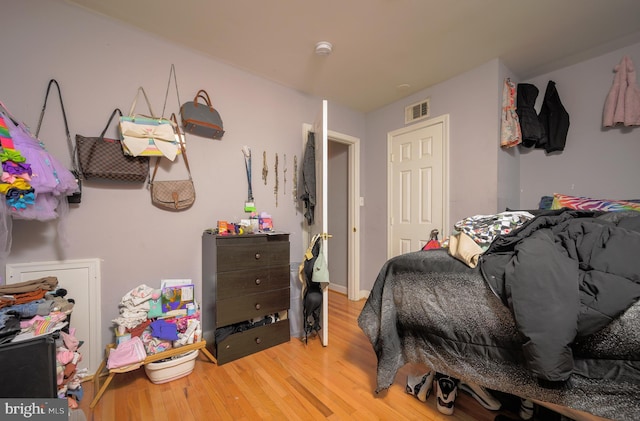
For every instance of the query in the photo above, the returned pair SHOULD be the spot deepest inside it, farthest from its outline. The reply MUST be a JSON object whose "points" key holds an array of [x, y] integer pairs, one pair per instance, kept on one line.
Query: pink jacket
{"points": [[622, 105]]}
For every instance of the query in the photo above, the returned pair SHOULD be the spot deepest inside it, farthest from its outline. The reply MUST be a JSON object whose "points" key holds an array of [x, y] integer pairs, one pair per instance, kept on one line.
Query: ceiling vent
{"points": [[417, 111]]}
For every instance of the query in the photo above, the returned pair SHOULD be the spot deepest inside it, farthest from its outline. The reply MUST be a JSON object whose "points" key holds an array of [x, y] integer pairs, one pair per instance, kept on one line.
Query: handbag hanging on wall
{"points": [[174, 195], [148, 135], [201, 119], [75, 197], [103, 158]]}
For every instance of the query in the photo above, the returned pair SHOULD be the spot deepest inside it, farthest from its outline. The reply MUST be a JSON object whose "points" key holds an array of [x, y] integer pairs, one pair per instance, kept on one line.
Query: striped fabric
{"points": [[585, 203]]}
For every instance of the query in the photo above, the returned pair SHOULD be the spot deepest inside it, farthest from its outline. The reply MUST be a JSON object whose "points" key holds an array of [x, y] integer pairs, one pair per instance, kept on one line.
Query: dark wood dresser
{"points": [[244, 279]]}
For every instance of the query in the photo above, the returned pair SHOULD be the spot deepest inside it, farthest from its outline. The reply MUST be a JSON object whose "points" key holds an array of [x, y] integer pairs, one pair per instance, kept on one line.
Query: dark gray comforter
{"points": [[565, 275], [427, 307]]}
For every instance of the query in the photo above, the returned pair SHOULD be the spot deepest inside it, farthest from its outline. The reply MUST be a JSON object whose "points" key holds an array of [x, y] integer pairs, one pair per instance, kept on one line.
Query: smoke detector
{"points": [[324, 48]]}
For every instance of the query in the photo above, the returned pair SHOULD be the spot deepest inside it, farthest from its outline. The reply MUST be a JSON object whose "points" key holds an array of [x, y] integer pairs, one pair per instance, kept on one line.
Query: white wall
{"points": [[597, 162], [472, 101], [99, 64]]}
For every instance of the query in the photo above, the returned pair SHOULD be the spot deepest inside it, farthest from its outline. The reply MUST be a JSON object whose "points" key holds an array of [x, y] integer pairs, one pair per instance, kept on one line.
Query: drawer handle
{"points": [[258, 306], [258, 281], [258, 341], [258, 256]]}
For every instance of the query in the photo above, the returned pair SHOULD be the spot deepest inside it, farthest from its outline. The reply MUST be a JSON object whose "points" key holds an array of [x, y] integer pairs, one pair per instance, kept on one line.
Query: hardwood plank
{"points": [[167, 401], [256, 391], [216, 407], [292, 381]]}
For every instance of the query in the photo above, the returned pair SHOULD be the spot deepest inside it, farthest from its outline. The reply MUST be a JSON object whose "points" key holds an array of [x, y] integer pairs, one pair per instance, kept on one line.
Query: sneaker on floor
{"points": [[526, 409], [420, 386], [446, 392], [481, 394]]}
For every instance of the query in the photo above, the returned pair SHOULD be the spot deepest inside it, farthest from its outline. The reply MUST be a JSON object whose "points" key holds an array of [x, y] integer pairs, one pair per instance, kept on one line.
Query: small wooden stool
{"points": [[99, 390]]}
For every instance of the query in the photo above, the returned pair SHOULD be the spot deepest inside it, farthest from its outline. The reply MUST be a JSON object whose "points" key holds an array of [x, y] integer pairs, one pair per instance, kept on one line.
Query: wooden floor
{"points": [[292, 381]]}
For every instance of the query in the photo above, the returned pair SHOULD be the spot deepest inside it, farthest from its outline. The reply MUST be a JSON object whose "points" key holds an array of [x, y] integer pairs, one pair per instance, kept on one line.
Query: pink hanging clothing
{"points": [[631, 97], [511, 134], [622, 105], [51, 181]]}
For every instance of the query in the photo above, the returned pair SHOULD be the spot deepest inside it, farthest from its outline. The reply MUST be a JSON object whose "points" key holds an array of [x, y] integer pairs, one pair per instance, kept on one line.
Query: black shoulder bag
{"points": [[77, 196]]}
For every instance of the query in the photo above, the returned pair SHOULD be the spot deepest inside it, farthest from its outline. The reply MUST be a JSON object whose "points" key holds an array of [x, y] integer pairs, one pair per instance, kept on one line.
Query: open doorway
{"points": [[322, 224], [344, 210], [347, 257], [338, 195]]}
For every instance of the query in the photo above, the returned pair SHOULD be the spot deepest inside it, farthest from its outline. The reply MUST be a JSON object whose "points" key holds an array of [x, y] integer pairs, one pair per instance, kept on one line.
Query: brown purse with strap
{"points": [[173, 195]]}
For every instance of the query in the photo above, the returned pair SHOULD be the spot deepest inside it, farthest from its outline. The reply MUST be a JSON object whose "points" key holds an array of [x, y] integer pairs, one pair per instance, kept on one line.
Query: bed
{"points": [[430, 308]]}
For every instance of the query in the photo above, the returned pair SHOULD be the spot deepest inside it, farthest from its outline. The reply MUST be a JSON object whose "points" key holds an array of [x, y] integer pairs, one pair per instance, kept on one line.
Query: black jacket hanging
{"points": [[554, 119], [308, 196], [530, 126]]}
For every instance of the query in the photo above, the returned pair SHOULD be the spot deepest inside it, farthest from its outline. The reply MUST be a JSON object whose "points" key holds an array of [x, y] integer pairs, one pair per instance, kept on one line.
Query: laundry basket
{"points": [[172, 368]]}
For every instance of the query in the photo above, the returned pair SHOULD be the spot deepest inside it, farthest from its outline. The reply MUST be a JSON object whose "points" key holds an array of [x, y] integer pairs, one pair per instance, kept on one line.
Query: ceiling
{"points": [[383, 50]]}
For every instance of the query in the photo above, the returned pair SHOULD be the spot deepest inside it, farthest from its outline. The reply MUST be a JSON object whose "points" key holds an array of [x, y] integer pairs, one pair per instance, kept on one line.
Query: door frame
{"points": [[353, 241], [444, 120]]}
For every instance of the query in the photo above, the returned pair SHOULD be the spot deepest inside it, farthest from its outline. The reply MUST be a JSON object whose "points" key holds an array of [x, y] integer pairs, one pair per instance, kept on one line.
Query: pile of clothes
{"points": [[69, 377], [143, 329], [474, 234], [38, 307], [32, 308]]}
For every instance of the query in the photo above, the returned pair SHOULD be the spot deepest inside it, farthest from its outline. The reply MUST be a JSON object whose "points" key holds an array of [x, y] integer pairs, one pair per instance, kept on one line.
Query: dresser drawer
{"points": [[239, 309], [253, 340], [251, 254], [242, 256], [252, 281]]}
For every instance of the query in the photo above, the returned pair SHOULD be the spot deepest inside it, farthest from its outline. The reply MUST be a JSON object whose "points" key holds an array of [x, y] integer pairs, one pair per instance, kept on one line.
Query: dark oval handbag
{"points": [[201, 119]]}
